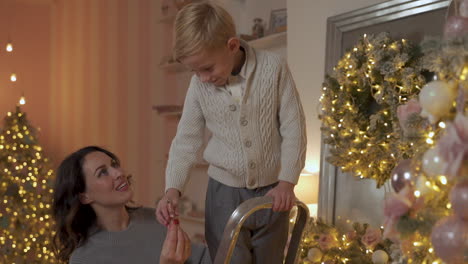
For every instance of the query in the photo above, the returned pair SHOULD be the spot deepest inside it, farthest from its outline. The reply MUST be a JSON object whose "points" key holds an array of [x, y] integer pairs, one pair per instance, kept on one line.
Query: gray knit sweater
{"points": [[254, 143], [140, 243]]}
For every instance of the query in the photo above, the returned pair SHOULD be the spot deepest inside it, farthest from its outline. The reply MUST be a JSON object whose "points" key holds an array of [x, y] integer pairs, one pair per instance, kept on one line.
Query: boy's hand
{"points": [[176, 248], [283, 196], [167, 208]]}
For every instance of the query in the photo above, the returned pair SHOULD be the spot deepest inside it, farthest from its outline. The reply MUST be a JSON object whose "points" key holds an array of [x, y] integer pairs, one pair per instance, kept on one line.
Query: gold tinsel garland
{"points": [[359, 103]]}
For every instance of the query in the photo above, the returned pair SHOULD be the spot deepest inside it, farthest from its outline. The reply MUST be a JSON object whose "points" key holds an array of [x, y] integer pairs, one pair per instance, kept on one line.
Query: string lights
{"points": [[26, 191]]}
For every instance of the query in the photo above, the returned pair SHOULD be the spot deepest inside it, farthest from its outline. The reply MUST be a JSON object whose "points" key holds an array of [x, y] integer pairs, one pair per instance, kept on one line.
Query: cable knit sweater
{"points": [[140, 243], [254, 143]]}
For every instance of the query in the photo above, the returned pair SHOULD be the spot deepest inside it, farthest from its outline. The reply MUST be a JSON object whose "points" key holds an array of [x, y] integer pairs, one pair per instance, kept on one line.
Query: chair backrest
{"points": [[244, 210]]}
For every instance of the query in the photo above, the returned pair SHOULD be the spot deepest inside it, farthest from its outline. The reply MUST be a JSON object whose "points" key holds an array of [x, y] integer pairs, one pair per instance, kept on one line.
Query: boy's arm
{"points": [[187, 142], [294, 141], [292, 128]]}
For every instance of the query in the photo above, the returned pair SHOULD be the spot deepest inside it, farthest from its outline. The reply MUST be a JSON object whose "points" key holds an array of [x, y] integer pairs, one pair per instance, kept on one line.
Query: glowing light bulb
{"points": [[443, 180], [13, 77], [22, 100], [9, 47]]}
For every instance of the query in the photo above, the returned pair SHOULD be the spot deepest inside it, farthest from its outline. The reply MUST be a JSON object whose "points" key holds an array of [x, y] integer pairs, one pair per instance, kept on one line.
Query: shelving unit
{"points": [[270, 41], [168, 110]]}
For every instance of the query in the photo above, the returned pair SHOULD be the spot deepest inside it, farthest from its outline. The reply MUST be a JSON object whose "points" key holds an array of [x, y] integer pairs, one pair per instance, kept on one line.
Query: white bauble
{"points": [[436, 99], [432, 163], [421, 186], [314, 255], [380, 257]]}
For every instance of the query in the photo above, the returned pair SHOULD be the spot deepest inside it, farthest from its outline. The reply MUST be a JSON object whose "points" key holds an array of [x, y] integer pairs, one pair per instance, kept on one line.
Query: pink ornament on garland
{"points": [[450, 239], [463, 8], [459, 200], [402, 174], [456, 26]]}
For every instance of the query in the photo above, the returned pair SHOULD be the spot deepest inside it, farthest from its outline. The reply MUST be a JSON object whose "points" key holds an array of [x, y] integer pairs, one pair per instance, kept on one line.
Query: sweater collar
{"points": [[250, 60]]}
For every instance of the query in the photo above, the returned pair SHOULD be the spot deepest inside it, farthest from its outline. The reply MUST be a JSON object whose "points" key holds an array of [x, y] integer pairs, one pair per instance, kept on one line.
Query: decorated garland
{"points": [[359, 106], [364, 244]]}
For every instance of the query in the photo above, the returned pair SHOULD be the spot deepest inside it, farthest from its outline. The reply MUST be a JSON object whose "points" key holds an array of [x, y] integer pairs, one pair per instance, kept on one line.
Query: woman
{"points": [[96, 225]]}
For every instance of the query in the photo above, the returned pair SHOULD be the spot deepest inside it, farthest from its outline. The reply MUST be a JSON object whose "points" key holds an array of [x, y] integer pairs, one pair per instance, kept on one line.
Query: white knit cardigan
{"points": [[254, 143]]}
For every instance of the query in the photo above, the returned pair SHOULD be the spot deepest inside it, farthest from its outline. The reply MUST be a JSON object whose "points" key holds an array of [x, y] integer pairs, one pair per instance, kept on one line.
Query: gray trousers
{"points": [[264, 234]]}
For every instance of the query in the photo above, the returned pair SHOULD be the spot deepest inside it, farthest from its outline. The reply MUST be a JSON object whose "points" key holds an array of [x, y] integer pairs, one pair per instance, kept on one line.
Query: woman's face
{"points": [[106, 183]]}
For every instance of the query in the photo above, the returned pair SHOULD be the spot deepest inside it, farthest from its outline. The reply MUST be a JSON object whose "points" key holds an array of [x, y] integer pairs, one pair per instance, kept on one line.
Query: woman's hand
{"points": [[167, 208], [283, 196], [176, 248]]}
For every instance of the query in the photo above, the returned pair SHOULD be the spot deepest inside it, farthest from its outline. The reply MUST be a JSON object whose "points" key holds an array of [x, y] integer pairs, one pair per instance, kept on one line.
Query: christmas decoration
{"points": [[359, 106], [324, 243], [459, 200], [401, 175], [25, 188], [426, 217]]}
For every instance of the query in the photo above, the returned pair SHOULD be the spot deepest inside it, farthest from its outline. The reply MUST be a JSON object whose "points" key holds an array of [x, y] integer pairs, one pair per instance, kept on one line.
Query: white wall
{"points": [[244, 11], [306, 57]]}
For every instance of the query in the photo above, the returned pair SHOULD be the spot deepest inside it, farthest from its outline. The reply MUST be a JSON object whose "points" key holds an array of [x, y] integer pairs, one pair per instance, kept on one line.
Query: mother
{"points": [[95, 223]]}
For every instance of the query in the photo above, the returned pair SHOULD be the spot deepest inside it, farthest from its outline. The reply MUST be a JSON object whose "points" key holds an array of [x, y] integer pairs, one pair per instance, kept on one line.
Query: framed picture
{"points": [[343, 198], [278, 20]]}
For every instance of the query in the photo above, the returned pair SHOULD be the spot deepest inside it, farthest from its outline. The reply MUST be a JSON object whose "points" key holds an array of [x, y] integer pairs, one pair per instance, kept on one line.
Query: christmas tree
{"points": [[25, 188]]}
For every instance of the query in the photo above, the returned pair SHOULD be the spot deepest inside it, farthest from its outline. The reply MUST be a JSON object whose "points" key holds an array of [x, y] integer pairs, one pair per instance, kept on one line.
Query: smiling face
{"points": [[215, 66], [106, 183]]}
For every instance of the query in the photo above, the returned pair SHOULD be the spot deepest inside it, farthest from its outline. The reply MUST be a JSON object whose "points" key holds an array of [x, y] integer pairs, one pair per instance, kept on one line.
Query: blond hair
{"points": [[201, 26]]}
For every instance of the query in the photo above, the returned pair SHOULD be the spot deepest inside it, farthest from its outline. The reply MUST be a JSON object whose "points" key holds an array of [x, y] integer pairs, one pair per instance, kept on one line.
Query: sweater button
{"points": [[244, 122], [232, 108], [252, 165], [251, 182], [248, 143]]}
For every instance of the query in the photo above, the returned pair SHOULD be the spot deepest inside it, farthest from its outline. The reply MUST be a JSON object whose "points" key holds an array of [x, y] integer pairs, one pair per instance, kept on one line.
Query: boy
{"points": [[248, 100]]}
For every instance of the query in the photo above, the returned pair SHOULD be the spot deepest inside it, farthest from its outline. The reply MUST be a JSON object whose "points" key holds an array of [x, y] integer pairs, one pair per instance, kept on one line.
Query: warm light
{"points": [[307, 188], [442, 125], [417, 193], [443, 180], [13, 77], [22, 100], [9, 47]]}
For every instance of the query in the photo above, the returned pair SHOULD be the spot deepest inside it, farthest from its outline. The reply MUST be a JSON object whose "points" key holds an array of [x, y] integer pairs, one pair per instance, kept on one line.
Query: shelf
{"points": [[168, 110], [270, 41]]}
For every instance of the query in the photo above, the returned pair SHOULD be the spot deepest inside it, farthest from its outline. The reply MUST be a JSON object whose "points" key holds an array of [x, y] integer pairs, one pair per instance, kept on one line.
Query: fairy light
{"points": [[13, 77], [443, 179], [30, 206], [9, 47], [442, 125]]}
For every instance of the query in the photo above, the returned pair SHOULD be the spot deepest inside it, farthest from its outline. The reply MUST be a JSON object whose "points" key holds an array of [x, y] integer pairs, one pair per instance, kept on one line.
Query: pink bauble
{"points": [[402, 174], [463, 8], [450, 239], [459, 200], [456, 26]]}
